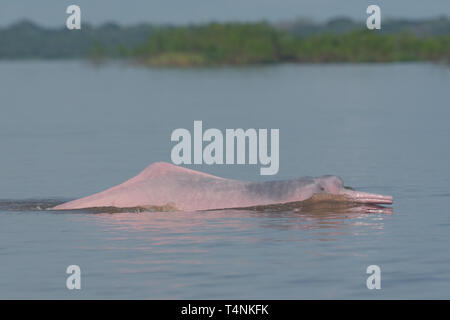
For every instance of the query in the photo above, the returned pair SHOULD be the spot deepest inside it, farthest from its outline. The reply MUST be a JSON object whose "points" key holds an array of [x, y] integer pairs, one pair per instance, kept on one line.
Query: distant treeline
{"points": [[236, 44], [339, 40], [25, 40], [425, 27]]}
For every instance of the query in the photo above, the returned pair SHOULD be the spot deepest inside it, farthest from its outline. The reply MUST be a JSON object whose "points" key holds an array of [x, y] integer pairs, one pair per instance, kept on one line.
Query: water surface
{"points": [[69, 129]]}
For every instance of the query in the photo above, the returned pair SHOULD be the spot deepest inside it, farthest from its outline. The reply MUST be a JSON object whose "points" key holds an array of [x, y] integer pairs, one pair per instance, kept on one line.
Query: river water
{"points": [[69, 129]]}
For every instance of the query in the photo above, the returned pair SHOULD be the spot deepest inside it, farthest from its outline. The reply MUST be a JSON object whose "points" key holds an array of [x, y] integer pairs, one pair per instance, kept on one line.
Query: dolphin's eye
{"points": [[322, 188]]}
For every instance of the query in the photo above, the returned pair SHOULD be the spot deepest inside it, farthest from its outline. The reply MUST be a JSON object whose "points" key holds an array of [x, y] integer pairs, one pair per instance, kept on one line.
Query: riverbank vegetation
{"points": [[241, 44], [339, 40]]}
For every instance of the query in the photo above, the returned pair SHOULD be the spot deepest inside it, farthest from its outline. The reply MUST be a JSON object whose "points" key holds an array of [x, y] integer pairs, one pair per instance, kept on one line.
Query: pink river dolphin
{"points": [[164, 186]]}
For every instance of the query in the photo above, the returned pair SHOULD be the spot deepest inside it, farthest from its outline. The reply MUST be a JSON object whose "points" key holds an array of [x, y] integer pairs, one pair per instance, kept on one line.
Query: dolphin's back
{"points": [[161, 184]]}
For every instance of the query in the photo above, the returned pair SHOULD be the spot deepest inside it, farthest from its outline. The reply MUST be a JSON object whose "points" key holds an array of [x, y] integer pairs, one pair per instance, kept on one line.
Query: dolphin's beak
{"points": [[368, 198]]}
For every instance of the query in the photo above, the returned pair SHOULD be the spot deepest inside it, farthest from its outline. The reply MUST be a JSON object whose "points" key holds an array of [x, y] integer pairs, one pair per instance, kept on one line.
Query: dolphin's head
{"points": [[330, 184], [333, 185]]}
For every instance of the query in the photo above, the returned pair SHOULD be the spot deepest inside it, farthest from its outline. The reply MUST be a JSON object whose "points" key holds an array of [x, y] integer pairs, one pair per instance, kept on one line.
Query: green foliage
{"points": [[216, 44]]}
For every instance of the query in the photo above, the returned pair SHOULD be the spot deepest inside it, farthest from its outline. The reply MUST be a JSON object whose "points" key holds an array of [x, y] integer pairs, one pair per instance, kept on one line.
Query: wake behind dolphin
{"points": [[170, 187]]}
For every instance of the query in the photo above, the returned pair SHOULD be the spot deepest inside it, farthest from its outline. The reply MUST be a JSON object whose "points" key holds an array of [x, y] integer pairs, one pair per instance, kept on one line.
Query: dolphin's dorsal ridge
{"points": [[157, 169], [161, 168]]}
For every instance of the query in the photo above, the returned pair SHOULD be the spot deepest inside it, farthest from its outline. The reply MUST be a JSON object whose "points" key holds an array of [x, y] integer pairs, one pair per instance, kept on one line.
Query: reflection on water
{"points": [[209, 225], [327, 222], [181, 250]]}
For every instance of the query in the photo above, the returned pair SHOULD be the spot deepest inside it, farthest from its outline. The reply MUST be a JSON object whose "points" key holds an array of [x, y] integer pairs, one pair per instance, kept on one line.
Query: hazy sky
{"points": [[52, 12]]}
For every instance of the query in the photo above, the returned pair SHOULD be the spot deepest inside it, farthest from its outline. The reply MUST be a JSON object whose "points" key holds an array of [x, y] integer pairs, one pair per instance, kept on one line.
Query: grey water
{"points": [[69, 129]]}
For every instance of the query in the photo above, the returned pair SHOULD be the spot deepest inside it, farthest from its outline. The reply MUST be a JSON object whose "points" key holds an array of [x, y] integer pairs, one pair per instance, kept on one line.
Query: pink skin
{"points": [[367, 198], [162, 183]]}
